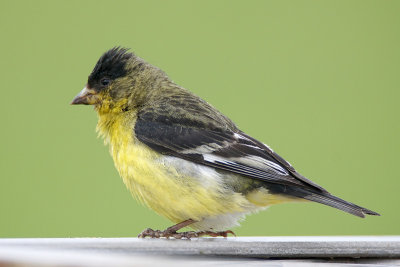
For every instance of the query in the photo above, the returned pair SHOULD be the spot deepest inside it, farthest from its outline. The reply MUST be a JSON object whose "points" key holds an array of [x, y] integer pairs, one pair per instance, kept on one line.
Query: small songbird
{"points": [[182, 157]]}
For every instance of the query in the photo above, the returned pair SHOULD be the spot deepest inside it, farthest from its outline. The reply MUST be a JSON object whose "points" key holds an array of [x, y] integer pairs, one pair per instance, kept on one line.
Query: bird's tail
{"points": [[323, 197], [338, 203]]}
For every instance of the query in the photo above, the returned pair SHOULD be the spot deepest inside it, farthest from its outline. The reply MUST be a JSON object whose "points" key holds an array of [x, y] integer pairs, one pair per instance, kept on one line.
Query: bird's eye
{"points": [[105, 81]]}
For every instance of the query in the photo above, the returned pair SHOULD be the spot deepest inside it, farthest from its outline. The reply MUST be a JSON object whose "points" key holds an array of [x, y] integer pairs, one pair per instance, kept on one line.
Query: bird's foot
{"points": [[172, 232], [183, 235], [215, 234]]}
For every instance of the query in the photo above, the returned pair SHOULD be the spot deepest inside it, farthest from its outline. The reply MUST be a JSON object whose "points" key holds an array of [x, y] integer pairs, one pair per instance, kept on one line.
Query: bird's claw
{"points": [[216, 234], [183, 235]]}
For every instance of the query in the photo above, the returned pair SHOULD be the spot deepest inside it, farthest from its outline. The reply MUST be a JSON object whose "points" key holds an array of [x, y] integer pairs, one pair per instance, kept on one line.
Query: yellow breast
{"points": [[164, 188]]}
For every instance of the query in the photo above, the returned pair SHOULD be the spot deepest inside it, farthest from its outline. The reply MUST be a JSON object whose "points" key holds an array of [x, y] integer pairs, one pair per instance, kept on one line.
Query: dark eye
{"points": [[105, 81]]}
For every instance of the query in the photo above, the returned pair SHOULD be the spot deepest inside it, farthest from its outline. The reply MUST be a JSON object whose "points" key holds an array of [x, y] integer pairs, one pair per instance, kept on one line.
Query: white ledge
{"points": [[127, 251]]}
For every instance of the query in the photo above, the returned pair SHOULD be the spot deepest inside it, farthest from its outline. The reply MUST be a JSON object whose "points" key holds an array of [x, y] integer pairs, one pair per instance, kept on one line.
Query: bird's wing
{"points": [[222, 149]]}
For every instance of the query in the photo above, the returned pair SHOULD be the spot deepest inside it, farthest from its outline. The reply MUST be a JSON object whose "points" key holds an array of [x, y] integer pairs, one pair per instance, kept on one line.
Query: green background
{"points": [[316, 80]]}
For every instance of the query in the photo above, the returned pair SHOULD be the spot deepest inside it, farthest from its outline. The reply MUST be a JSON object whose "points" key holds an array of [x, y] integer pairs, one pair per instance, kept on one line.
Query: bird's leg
{"points": [[172, 232]]}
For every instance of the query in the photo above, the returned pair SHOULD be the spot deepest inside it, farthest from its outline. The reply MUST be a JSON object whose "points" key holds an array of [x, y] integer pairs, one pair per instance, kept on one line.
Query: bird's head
{"points": [[113, 84]]}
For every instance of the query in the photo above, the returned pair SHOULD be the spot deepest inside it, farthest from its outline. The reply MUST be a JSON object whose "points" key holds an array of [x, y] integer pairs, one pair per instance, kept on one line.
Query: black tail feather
{"points": [[335, 202], [322, 197]]}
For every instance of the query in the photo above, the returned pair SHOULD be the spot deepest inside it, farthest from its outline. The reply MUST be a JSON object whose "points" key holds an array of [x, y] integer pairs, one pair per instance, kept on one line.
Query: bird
{"points": [[183, 158]]}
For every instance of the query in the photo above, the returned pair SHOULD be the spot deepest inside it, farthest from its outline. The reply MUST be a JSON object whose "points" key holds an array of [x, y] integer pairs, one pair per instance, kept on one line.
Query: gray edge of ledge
{"points": [[260, 247]]}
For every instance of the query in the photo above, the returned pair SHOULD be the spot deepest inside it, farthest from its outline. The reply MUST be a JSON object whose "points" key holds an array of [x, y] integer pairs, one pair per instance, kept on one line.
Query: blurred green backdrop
{"points": [[316, 80]]}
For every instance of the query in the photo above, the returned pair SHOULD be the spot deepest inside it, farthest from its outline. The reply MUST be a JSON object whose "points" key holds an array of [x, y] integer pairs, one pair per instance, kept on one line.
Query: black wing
{"points": [[225, 150]]}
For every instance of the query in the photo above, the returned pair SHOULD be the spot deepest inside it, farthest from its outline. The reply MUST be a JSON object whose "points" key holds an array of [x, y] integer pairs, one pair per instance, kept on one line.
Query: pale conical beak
{"points": [[86, 97]]}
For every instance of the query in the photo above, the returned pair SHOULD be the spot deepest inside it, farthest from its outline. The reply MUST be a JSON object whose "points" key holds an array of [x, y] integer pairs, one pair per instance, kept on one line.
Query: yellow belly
{"points": [[170, 193]]}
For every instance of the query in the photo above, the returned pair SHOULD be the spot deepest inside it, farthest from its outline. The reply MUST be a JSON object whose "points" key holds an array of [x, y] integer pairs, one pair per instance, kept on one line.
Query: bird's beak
{"points": [[86, 97]]}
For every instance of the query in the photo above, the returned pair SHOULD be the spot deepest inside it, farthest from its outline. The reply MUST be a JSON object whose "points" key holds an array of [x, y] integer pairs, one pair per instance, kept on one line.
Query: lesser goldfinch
{"points": [[182, 157]]}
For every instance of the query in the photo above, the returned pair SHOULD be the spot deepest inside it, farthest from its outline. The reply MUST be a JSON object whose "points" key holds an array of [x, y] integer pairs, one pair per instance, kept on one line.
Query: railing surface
{"points": [[253, 251]]}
